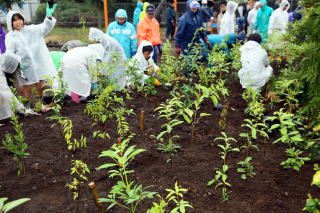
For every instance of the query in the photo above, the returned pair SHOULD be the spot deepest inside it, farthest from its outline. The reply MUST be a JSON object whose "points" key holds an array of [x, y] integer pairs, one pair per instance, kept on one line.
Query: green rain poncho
{"points": [[262, 20]]}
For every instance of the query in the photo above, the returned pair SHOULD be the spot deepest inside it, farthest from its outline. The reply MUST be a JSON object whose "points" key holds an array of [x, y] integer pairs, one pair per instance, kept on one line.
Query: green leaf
{"points": [[105, 166], [7, 207]]}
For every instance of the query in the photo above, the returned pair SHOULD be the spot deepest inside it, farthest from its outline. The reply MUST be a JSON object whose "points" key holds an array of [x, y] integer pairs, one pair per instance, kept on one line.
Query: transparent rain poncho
{"points": [[255, 71], [8, 63], [228, 22], [141, 64], [279, 19], [78, 65], [114, 55], [29, 44]]}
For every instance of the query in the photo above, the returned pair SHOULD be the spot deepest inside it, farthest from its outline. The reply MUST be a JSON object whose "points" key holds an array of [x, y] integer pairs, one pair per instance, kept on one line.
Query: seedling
{"points": [[295, 161], [246, 169], [175, 195], [16, 143], [255, 103], [170, 113], [221, 177], [192, 115], [125, 193], [80, 170]]}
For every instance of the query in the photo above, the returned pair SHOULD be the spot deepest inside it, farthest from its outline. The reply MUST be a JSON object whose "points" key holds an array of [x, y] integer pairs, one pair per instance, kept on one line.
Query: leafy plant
{"points": [[246, 169], [80, 169], [175, 195], [255, 103], [16, 143], [287, 125], [4, 208], [123, 126], [191, 114], [221, 177], [67, 126], [313, 204], [125, 193], [295, 161], [169, 112]]}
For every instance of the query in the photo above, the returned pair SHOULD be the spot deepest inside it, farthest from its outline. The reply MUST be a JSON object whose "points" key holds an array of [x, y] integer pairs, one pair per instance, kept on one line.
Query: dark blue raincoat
{"points": [[188, 25]]}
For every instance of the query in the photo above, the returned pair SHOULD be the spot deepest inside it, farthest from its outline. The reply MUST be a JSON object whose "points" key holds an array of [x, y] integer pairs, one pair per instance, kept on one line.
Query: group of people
{"points": [[137, 46]]}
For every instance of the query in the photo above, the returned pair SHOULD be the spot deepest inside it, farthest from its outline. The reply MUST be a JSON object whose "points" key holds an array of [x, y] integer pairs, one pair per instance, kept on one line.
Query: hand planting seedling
{"points": [[220, 178], [125, 193]]}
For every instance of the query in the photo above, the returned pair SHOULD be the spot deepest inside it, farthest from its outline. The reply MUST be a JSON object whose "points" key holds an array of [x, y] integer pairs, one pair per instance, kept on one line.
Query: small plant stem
{"points": [[119, 141], [79, 193], [155, 102], [95, 195], [142, 120]]}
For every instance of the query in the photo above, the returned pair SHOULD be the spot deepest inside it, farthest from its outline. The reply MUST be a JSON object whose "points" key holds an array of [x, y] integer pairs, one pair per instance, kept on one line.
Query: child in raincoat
{"points": [[9, 64], [262, 21], [255, 70], [279, 19], [78, 65], [228, 22], [252, 15], [149, 29], [143, 62], [124, 32], [136, 14], [28, 43]]}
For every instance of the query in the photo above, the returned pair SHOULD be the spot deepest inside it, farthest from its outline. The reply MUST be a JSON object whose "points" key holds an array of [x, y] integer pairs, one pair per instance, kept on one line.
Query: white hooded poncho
{"points": [[279, 19], [31, 47], [252, 18], [8, 63], [228, 22], [141, 64], [77, 66], [255, 71], [114, 55]]}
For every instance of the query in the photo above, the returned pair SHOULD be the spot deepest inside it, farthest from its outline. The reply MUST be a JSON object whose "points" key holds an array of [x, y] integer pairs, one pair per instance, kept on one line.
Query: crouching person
{"points": [[255, 70], [77, 66], [143, 64], [9, 63]]}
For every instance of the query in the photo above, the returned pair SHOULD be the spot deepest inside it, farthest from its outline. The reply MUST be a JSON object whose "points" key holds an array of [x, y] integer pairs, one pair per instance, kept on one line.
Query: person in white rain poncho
{"points": [[228, 22], [28, 43], [114, 55], [9, 64], [252, 17], [78, 66], [279, 19], [142, 62], [255, 70]]}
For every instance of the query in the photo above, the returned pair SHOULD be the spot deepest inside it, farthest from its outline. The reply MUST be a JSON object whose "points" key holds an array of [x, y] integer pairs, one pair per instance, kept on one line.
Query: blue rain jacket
{"points": [[188, 25], [262, 20], [125, 34], [136, 14], [215, 39]]}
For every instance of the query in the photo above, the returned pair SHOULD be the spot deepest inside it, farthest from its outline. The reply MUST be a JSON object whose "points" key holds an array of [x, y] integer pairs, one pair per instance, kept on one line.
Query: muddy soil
{"points": [[273, 189]]}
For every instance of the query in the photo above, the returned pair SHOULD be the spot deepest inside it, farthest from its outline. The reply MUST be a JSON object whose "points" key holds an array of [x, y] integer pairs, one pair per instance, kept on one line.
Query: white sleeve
{"points": [[10, 45], [44, 28], [272, 23]]}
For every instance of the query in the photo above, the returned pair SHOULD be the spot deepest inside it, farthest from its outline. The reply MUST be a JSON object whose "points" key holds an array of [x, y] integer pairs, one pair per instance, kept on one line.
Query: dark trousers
{"points": [[170, 30]]}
